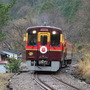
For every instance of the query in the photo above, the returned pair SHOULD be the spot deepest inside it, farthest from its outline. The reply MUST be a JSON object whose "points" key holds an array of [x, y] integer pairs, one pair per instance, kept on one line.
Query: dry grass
{"points": [[84, 65], [84, 68], [4, 80]]}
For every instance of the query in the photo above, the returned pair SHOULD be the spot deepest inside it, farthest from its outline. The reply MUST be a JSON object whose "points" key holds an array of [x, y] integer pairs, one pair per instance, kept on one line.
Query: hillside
{"points": [[71, 15]]}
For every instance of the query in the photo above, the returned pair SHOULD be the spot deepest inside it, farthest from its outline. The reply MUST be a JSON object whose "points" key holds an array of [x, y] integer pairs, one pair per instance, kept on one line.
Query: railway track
{"points": [[65, 82], [30, 81], [44, 85]]}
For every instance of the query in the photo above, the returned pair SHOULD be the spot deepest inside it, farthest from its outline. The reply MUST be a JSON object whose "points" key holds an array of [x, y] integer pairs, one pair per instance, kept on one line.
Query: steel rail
{"points": [[41, 83], [65, 82]]}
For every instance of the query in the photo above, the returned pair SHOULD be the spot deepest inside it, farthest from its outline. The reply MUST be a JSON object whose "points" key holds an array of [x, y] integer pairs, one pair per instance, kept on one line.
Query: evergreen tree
{"points": [[4, 16]]}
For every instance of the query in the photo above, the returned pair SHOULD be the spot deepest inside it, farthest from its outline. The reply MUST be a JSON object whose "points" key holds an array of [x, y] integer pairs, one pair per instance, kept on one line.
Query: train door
{"points": [[43, 45]]}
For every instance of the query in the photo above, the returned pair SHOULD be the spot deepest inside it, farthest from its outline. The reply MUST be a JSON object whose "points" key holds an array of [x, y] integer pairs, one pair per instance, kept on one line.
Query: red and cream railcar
{"points": [[46, 49]]}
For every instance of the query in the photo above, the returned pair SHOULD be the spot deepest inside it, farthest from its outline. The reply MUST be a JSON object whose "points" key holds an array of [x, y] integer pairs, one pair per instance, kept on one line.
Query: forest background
{"points": [[73, 16]]}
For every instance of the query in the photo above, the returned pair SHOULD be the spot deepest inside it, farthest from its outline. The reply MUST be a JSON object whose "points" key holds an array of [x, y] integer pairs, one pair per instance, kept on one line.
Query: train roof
{"points": [[50, 27]]}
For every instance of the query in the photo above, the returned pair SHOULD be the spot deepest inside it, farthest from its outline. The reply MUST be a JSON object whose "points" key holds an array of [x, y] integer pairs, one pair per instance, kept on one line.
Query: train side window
{"points": [[32, 39], [43, 40], [55, 40]]}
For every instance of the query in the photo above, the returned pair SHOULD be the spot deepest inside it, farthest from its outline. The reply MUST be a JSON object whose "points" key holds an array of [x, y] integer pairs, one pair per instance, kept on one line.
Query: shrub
{"points": [[13, 65], [84, 68], [84, 64]]}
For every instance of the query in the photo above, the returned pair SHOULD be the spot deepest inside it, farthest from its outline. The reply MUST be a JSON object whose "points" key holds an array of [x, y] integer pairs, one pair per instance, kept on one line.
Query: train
{"points": [[47, 49]]}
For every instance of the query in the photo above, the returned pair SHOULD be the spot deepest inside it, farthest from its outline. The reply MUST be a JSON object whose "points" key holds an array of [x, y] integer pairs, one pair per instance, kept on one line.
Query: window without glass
{"points": [[43, 40], [55, 40], [32, 39]]}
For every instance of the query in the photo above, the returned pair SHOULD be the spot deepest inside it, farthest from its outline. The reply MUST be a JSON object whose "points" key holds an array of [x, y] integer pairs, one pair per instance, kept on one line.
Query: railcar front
{"points": [[44, 48]]}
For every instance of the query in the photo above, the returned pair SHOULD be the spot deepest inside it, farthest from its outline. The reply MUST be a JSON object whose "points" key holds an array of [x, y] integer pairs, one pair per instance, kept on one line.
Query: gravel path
{"points": [[75, 82], [24, 81]]}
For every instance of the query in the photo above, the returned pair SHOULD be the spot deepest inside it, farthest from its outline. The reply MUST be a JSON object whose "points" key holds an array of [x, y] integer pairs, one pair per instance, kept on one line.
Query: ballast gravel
{"points": [[25, 81]]}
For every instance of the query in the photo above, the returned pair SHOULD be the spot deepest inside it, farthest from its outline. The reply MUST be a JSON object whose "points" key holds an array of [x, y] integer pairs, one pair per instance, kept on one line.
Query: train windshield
{"points": [[55, 39], [32, 39], [44, 40]]}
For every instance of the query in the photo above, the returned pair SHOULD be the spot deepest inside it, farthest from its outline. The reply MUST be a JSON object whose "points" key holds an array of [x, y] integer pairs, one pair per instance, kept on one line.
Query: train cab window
{"points": [[32, 39], [55, 40], [43, 40]]}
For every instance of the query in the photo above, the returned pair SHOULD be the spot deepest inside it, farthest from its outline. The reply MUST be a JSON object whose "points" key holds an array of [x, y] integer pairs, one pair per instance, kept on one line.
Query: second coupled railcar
{"points": [[46, 49]]}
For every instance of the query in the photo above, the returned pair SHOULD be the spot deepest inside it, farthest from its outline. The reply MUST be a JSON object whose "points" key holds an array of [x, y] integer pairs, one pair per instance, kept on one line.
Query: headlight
{"points": [[34, 31], [54, 32]]}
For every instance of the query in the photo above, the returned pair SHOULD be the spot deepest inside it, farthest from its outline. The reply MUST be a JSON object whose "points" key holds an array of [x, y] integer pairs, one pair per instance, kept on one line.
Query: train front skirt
{"points": [[55, 65]]}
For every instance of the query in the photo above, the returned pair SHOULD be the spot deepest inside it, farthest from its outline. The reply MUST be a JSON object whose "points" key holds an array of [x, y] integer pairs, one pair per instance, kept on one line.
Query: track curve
{"points": [[41, 84], [64, 82]]}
